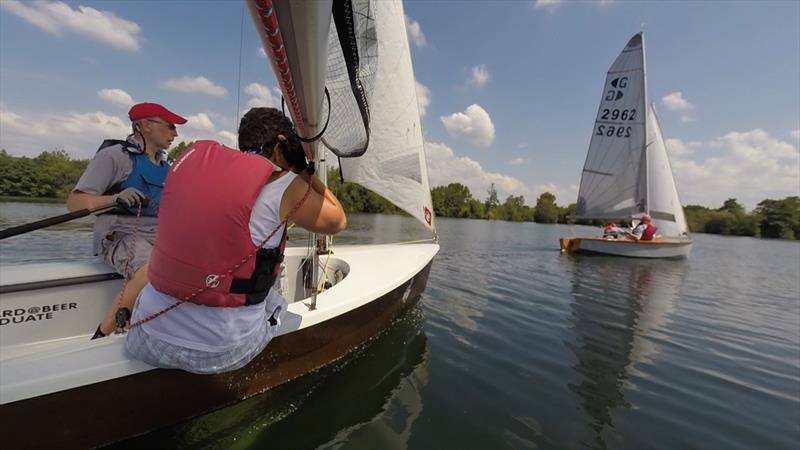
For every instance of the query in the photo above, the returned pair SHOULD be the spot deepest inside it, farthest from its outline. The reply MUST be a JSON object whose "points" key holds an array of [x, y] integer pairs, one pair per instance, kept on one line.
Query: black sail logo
{"points": [[619, 84]]}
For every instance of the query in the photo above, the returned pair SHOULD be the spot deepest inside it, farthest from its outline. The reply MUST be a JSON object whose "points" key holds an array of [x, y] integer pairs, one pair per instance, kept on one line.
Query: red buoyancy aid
{"points": [[203, 224], [648, 233]]}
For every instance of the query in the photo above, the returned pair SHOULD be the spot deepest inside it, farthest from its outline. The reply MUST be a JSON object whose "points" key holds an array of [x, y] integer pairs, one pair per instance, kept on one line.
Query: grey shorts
{"points": [[116, 248]]}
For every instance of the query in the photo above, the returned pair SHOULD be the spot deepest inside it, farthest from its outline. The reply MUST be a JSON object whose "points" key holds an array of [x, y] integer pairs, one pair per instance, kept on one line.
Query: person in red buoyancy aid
{"points": [[210, 306], [645, 231]]}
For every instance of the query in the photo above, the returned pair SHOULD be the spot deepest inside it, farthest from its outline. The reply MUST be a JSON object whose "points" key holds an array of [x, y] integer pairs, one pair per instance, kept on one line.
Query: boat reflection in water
{"points": [[619, 311], [370, 399]]}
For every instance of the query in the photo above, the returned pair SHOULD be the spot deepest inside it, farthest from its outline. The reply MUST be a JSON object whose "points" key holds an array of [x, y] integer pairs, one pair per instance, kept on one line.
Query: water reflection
{"points": [[619, 308], [369, 400]]}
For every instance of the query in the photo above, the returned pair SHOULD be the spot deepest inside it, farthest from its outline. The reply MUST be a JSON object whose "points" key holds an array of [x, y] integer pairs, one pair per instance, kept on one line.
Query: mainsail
{"points": [[613, 182]]}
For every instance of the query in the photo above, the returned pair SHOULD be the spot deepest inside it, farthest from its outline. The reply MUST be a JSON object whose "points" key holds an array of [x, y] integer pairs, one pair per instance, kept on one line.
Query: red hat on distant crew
{"points": [[145, 110]]}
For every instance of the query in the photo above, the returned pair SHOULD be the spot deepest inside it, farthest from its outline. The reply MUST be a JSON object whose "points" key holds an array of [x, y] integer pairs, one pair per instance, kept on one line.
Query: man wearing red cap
{"points": [[130, 173]]}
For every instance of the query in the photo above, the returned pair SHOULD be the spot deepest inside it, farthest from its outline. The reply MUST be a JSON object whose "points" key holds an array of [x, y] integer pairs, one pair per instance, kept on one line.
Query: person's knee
{"points": [[140, 273]]}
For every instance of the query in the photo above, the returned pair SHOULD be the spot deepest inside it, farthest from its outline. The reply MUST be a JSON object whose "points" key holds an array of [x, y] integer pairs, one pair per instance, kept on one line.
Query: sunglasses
{"points": [[171, 126]]}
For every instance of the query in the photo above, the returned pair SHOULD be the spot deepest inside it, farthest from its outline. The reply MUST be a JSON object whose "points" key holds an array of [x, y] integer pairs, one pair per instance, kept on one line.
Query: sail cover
{"points": [[665, 206], [394, 163], [613, 181]]}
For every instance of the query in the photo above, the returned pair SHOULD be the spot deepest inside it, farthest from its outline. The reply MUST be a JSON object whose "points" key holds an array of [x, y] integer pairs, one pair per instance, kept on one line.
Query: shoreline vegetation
{"points": [[50, 176]]}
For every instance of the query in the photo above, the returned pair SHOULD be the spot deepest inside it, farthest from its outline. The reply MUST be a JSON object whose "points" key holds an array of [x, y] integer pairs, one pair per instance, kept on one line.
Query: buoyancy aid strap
{"points": [[265, 273], [112, 142]]}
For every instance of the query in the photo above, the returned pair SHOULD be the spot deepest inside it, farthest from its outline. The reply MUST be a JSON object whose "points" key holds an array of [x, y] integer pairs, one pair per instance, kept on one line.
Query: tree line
{"points": [[53, 174]]}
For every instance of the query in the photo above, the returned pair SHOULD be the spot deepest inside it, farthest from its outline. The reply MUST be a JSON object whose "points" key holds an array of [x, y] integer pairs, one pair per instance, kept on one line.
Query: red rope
{"points": [[229, 271], [129, 258]]}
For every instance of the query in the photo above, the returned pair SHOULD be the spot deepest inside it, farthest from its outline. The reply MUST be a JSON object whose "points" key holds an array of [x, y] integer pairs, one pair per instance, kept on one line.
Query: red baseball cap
{"points": [[145, 110]]}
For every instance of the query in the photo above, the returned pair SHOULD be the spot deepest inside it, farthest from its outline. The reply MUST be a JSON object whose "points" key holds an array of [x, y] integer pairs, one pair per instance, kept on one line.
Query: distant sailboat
{"points": [[627, 172], [51, 373]]}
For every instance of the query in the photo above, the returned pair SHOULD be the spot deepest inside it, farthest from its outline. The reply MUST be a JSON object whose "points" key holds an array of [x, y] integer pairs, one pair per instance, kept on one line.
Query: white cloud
{"points": [[445, 167], [474, 125], [796, 135], [116, 96], [58, 17], [516, 162], [423, 98], [201, 85], [78, 133], [228, 138], [677, 148], [200, 122], [262, 96], [543, 4], [415, 33], [480, 76], [262, 52], [674, 101], [606, 2], [522, 145], [749, 166]]}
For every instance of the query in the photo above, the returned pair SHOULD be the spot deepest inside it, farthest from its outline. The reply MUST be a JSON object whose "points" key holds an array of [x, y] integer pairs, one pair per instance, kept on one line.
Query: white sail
{"points": [[394, 163], [613, 184], [663, 203]]}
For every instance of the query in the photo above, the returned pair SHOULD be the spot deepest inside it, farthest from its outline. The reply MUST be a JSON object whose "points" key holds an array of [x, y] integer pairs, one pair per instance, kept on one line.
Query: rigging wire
{"points": [[239, 81]]}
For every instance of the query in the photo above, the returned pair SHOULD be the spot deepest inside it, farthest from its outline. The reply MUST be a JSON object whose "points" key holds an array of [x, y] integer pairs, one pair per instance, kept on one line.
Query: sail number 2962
{"points": [[618, 114], [611, 130]]}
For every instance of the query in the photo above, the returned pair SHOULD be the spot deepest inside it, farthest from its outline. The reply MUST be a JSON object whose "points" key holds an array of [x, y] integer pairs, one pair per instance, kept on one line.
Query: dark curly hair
{"points": [[260, 127]]}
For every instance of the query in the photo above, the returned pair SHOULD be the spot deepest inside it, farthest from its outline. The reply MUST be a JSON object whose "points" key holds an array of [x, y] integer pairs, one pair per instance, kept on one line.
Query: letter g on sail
{"points": [[212, 281]]}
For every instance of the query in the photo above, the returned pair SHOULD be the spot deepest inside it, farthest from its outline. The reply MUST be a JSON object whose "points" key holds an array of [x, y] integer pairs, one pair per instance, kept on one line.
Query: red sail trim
{"points": [[272, 40]]}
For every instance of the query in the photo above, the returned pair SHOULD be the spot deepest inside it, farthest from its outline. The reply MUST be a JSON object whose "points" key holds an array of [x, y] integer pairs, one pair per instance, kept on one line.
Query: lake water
{"points": [[516, 346]]}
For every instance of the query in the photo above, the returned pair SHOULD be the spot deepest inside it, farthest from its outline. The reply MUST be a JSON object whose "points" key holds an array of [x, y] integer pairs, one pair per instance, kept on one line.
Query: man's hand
{"points": [[130, 197]]}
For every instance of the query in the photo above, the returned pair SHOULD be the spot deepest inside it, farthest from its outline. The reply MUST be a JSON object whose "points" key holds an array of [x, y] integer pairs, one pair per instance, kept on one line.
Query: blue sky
{"points": [[509, 89]]}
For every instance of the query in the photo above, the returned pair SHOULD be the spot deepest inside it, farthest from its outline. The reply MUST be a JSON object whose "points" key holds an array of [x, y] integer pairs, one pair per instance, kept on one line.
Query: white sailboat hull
{"points": [[662, 248], [48, 362]]}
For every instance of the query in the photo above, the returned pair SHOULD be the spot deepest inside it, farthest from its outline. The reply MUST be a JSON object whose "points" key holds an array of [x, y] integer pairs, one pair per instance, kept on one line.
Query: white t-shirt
{"points": [[219, 329]]}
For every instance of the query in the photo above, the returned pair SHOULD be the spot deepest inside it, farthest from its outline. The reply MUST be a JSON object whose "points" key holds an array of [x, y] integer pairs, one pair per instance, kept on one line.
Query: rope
{"points": [[129, 258], [239, 81], [283, 223], [324, 277]]}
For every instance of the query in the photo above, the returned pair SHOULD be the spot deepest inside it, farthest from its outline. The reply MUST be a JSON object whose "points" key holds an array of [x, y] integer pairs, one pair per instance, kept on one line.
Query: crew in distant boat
{"points": [[645, 231], [611, 230], [210, 305], [131, 173]]}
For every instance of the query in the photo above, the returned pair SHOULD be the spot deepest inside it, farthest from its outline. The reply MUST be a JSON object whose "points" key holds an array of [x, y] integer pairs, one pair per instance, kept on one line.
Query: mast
{"points": [[645, 163]]}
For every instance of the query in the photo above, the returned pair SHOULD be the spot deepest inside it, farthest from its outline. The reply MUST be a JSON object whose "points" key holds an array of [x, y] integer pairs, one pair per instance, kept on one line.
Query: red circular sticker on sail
{"points": [[427, 214]]}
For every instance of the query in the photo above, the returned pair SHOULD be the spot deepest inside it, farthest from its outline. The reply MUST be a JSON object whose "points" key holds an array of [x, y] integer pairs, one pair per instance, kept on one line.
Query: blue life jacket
{"points": [[145, 176]]}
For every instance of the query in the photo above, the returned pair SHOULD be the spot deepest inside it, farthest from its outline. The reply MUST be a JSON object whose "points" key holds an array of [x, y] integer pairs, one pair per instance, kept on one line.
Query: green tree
{"points": [[546, 210], [780, 218], [177, 150], [451, 200], [492, 202]]}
